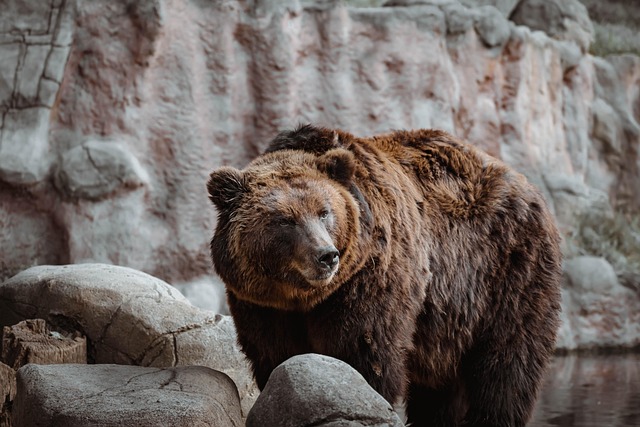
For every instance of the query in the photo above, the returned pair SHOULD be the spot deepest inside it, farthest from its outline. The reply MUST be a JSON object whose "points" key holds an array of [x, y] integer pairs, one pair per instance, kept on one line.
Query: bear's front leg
{"points": [[267, 336], [368, 334]]}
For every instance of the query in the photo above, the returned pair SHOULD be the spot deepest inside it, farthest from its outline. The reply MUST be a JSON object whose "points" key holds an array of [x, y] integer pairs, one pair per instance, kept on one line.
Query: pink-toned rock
{"points": [[597, 310], [183, 88]]}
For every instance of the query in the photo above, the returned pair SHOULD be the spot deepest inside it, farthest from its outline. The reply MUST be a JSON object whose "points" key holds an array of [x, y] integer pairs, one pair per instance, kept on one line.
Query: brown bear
{"points": [[427, 265]]}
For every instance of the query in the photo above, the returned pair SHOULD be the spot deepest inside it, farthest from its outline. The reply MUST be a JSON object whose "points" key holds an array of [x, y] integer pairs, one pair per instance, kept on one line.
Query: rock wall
{"points": [[114, 112]]}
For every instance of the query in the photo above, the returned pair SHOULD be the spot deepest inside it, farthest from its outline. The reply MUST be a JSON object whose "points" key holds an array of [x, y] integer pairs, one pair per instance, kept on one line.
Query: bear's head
{"points": [[287, 226]]}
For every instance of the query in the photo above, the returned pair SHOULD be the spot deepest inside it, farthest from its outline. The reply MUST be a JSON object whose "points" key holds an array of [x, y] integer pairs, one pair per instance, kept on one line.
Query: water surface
{"points": [[590, 391]]}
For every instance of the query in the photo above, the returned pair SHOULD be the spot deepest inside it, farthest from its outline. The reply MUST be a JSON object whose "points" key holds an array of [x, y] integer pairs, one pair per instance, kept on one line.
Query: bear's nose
{"points": [[328, 257]]}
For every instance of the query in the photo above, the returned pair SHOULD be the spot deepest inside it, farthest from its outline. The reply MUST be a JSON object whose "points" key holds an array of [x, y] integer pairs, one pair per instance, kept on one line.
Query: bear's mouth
{"points": [[325, 275], [319, 277]]}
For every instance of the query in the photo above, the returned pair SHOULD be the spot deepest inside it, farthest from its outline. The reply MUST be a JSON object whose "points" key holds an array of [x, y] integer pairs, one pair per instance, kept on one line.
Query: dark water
{"points": [[590, 391]]}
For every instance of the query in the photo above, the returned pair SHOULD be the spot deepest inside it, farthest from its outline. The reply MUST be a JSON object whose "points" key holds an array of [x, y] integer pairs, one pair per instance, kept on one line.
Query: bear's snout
{"points": [[327, 257]]}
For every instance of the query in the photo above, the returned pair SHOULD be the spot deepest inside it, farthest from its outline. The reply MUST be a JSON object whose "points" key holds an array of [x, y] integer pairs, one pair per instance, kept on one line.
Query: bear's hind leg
{"points": [[501, 386], [432, 408]]}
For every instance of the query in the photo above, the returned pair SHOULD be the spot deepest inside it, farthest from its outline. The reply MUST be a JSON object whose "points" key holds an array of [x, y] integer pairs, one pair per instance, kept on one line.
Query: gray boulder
{"points": [[316, 390], [560, 19], [128, 318], [97, 169], [459, 19], [492, 27], [115, 395]]}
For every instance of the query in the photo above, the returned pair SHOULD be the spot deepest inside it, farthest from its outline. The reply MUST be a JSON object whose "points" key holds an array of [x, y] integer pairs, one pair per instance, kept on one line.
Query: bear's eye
{"points": [[324, 214], [285, 221]]}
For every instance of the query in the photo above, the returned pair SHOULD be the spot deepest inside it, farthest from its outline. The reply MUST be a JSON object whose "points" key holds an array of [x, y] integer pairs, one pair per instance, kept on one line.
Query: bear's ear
{"points": [[339, 164], [225, 186]]}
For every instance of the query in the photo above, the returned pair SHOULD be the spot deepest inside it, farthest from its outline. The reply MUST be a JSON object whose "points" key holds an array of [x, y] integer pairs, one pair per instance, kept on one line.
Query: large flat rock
{"points": [[115, 395]]}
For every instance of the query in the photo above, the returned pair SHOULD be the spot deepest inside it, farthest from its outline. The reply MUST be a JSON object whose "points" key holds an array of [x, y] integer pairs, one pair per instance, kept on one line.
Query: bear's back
{"points": [[452, 176]]}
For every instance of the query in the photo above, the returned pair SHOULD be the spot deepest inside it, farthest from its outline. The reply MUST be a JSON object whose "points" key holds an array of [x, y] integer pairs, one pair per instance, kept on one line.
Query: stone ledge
{"points": [[115, 395]]}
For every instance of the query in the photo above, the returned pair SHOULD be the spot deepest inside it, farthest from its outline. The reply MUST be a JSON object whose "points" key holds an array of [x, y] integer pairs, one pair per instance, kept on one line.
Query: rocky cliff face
{"points": [[114, 112]]}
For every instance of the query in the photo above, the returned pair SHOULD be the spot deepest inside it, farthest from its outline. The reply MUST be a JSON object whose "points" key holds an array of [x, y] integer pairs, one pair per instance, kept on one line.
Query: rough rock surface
{"points": [[95, 170], [317, 390], [183, 87], [7, 393], [562, 19], [129, 318], [492, 28], [206, 292], [115, 395], [504, 6], [35, 40], [598, 310]]}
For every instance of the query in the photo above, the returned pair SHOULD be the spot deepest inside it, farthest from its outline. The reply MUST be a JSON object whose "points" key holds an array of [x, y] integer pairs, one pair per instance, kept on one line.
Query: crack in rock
{"points": [[103, 332], [52, 10], [98, 169], [116, 387], [154, 351], [172, 379], [28, 38], [93, 163], [20, 64], [155, 344], [28, 107], [42, 75], [176, 362]]}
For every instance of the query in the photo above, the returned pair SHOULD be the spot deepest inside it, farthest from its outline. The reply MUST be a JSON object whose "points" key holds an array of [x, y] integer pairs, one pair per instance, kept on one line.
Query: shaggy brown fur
{"points": [[446, 291]]}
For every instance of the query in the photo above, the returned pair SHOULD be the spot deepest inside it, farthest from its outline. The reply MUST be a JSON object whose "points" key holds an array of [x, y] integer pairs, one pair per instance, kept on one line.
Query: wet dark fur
{"points": [[447, 293]]}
